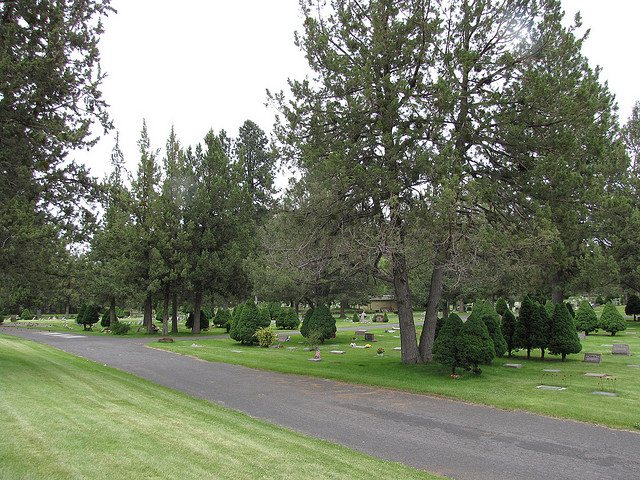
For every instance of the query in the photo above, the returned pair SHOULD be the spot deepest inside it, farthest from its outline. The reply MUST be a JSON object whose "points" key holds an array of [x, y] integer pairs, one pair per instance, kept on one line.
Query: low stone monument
{"points": [[592, 358], [620, 349], [369, 337], [378, 317]]}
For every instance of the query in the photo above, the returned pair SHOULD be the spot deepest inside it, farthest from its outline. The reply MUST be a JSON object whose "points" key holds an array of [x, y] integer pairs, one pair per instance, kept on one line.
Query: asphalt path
{"points": [[456, 439]]}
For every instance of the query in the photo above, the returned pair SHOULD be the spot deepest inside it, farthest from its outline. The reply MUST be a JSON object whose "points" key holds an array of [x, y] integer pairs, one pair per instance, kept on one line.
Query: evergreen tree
{"points": [[611, 320], [245, 324], [485, 311], [222, 317], [144, 208], [633, 306], [570, 309], [287, 319], [545, 329], [530, 330], [509, 330], [447, 343], [319, 323], [549, 307], [218, 224], [563, 338], [586, 319], [501, 307], [475, 346]]}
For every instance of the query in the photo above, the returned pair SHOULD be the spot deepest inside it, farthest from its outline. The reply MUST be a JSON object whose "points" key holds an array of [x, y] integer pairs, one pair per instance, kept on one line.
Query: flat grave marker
{"points": [[337, 352], [360, 333], [596, 375], [620, 349], [605, 394], [550, 387], [582, 336], [551, 370], [397, 348], [592, 357], [513, 365]]}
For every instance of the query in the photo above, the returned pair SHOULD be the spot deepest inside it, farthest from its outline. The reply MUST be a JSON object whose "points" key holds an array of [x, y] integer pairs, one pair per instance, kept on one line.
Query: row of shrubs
{"points": [[486, 334]]}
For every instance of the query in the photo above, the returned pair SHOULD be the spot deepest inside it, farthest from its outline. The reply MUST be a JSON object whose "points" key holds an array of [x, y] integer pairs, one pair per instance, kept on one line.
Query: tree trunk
{"points": [[542, 354], [408, 343], [460, 306], [557, 294], [197, 305], [343, 307], [446, 310], [148, 313], [564, 357], [112, 311], [174, 314], [431, 314], [67, 308], [528, 354], [165, 312]]}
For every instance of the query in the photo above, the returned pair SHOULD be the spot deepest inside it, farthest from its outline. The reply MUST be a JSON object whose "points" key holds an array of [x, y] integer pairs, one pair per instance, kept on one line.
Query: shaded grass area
{"points": [[64, 417], [70, 326], [499, 386]]}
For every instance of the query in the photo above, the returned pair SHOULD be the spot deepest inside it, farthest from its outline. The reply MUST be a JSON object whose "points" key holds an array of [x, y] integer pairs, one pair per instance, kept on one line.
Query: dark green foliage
{"points": [[120, 313], [530, 327], [105, 321], [475, 346], [485, 311], [599, 300], [222, 318], [563, 338], [264, 318], [120, 328], [80, 315], [246, 323], [90, 316], [492, 321], [274, 310], [26, 314], [612, 320], [355, 318], [586, 319], [204, 320], [501, 307], [386, 318], [439, 322], [633, 306], [570, 309], [549, 307], [159, 315], [319, 323], [287, 319], [447, 343], [545, 326], [508, 328]]}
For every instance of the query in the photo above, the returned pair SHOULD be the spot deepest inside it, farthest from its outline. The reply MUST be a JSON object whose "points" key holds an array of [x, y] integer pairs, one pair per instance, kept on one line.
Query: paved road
{"points": [[452, 438]]}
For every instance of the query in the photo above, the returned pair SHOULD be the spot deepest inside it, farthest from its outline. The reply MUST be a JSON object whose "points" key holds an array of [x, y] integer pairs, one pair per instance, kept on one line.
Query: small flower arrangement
{"points": [[455, 376], [380, 351], [368, 345]]}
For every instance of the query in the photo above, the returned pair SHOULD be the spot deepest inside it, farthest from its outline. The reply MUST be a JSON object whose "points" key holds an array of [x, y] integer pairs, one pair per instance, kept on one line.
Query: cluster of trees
{"points": [[486, 335], [443, 151]]}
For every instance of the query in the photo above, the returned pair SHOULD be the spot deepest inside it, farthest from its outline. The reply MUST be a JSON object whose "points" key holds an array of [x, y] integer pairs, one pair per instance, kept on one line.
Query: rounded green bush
{"points": [[446, 345], [246, 323], [287, 319], [319, 323], [106, 320], [120, 328], [611, 320], [475, 346], [586, 319], [26, 314]]}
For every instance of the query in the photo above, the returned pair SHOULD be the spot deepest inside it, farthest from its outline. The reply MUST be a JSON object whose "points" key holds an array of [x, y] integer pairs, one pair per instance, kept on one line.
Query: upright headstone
{"points": [[592, 357], [620, 349], [363, 317], [369, 337]]}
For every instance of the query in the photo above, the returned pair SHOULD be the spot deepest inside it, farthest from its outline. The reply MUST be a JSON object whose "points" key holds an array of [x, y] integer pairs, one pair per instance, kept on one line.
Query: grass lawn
{"points": [[64, 417], [70, 326], [498, 385]]}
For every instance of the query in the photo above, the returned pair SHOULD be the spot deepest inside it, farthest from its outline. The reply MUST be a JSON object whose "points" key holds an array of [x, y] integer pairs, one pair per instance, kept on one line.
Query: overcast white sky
{"points": [[207, 64]]}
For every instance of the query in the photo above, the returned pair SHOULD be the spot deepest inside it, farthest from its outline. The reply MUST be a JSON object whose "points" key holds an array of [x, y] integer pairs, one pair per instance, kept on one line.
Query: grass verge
{"points": [[64, 417]]}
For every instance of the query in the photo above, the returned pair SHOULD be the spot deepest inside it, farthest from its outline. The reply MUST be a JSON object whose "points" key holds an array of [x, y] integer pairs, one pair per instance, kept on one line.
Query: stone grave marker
{"points": [[283, 338], [378, 317], [620, 349], [550, 387], [513, 365], [592, 358], [551, 370], [596, 375], [360, 333], [582, 335], [634, 366], [605, 394], [337, 352], [397, 348], [369, 337]]}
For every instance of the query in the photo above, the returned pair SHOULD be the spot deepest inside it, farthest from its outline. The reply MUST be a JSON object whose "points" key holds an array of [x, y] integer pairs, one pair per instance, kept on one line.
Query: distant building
{"points": [[385, 303]]}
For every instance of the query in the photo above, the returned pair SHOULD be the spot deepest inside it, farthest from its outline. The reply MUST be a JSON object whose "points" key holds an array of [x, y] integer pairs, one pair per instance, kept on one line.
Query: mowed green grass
{"points": [[64, 417], [497, 385], [70, 326]]}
